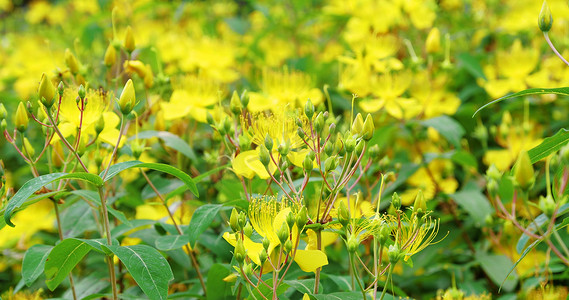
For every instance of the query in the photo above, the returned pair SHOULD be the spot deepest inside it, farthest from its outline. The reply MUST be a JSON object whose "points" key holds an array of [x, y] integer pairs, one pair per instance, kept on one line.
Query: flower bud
{"points": [[396, 201], [358, 125], [288, 246], [339, 146], [46, 91], [545, 20], [100, 124], [547, 205], [239, 253], [209, 119], [283, 233], [319, 123], [268, 142], [329, 149], [248, 270], [235, 103], [284, 148], [264, 156], [233, 222], [343, 214], [21, 120], [493, 173], [360, 147], [128, 98], [394, 254], [81, 92], [433, 43], [60, 88], [110, 56], [242, 220], [71, 62], [3, 125], [263, 256], [28, 147], [137, 148], [420, 206], [248, 229], [290, 220], [3, 112], [374, 151], [383, 234], [523, 171], [353, 243], [350, 144], [300, 133], [309, 109], [266, 243], [330, 164], [129, 44], [369, 128], [244, 142], [307, 164], [244, 98], [301, 218]]}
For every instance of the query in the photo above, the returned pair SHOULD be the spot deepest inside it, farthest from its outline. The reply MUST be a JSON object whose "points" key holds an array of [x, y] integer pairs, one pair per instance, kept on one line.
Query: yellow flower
{"points": [[416, 234], [427, 179], [432, 95], [281, 88], [36, 217], [267, 215], [191, 96]]}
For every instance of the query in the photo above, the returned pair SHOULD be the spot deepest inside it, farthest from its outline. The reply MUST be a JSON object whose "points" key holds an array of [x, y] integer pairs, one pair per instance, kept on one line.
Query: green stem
{"points": [[319, 247], [60, 231], [560, 241], [109, 242], [355, 272], [386, 281]]}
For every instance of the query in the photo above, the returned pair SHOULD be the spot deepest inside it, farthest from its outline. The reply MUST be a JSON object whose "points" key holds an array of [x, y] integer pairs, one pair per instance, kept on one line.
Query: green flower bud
{"points": [[227, 125], [312, 155], [332, 128], [523, 171], [309, 109], [128, 98], [300, 133], [71, 62], [547, 205], [21, 120], [263, 256], [360, 147], [284, 148], [290, 220], [420, 205], [374, 151], [307, 164], [350, 144], [233, 220], [242, 220], [492, 187], [288, 246], [394, 254], [301, 218], [3, 125], [239, 253], [369, 128], [343, 214], [319, 123], [396, 201], [339, 146], [46, 91], [221, 128], [81, 92], [129, 43], [545, 20], [100, 124], [283, 233], [329, 149], [60, 88], [28, 147], [330, 164], [137, 148], [248, 270], [244, 98], [353, 244], [493, 173], [244, 142], [358, 125], [110, 56], [209, 118], [264, 156], [3, 112], [266, 243], [235, 103], [248, 229], [383, 234]]}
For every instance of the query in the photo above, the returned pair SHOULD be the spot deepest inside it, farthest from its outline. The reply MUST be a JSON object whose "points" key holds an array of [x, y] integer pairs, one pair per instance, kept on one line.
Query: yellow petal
{"points": [[253, 249], [310, 260], [240, 167], [501, 158]]}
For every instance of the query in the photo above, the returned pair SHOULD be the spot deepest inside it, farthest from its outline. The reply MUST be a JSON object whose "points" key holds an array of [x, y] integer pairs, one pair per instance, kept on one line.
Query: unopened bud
{"points": [[307, 164], [235, 103], [523, 171], [290, 220], [264, 156], [319, 123], [288, 246], [396, 201], [263, 256], [244, 98], [209, 119], [110, 56], [353, 243], [242, 220], [394, 254], [369, 128], [128, 98], [71, 62], [233, 220], [46, 91], [81, 92], [100, 125], [420, 205], [283, 233], [374, 151], [3, 112], [266, 243], [360, 147], [248, 229], [60, 88], [329, 149], [350, 144], [28, 147], [21, 120], [545, 20], [358, 125], [330, 164], [547, 205], [301, 218], [433, 43], [343, 214], [268, 142], [309, 109], [129, 44], [239, 252]]}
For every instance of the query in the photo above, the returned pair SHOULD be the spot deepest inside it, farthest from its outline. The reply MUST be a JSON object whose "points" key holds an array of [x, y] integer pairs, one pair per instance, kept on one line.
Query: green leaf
{"points": [[302, 285], [201, 219], [528, 249], [33, 185], [268, 293], [197, 179], [171, 140], [496, 267], [344, 296], [117, 168], [472, 65], [34, 261], [63, 258], [471, 199], [535, 91], [171, 242], [217, 289], [118, 214], [464, 158], [549, 145], [148, 267], [27, 203], [540, 220], [448, 127]]}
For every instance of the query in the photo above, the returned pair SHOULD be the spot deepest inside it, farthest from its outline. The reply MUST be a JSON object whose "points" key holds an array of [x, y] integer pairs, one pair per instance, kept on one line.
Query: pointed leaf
{"points": [[549, 145], [34, 262], [171, 242], [201, 219], [63, 258], [171, 140], [447, 127], [536, 91], [148, 267]]}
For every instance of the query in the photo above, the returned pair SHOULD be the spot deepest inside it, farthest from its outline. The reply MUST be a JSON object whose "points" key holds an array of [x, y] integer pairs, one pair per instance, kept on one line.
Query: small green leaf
{"points": [[217, 289], [148, 267], [118, 214], [472, 65], [33, 185], [171, 242], [302, 285], [63, 258], [171, 140], [471, 199], [496, 267], [34, 261], [117, 168], [197, 179], [536, 91], [201, 219], [447, 127], [549, 145], [528, 249]]}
